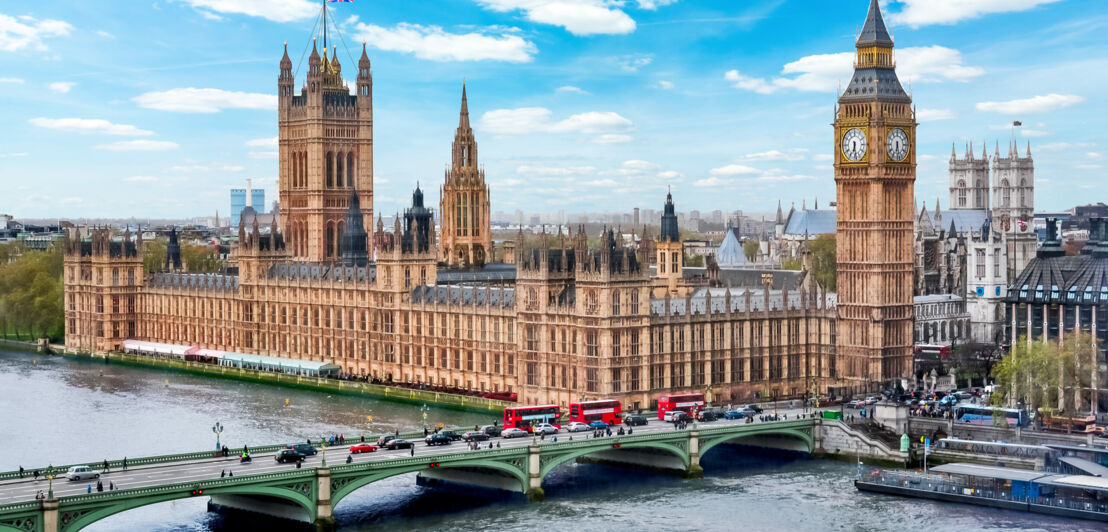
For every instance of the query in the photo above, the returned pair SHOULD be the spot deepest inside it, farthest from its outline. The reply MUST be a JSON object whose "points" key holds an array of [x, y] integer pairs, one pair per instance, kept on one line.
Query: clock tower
{"points": [[875, 171]]}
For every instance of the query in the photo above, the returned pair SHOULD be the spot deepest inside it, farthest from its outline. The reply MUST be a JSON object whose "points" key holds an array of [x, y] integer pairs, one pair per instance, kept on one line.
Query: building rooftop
{"points": [[811, 222], [1002, 473]]}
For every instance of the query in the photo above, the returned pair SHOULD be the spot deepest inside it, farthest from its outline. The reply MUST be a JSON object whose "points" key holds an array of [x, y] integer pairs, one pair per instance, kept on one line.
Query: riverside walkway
{"points": [[309, 494]]}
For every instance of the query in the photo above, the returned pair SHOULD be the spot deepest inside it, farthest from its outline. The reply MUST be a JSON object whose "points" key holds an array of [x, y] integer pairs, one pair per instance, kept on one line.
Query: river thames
{"points": [[61, 410]]}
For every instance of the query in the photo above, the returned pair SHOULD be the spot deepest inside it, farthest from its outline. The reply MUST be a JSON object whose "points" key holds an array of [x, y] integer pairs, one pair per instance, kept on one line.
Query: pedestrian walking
{"points": [[35, 473], [230, 473], [105, 466], [125, 460], [99, 485], [630, 430], [111, 486], [90, 488], [223, 473], [412, 449], [497, 445], [20, 471]]}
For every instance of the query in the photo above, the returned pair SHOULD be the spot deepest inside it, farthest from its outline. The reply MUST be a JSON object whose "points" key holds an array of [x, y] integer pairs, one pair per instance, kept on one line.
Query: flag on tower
{"points": [[1016, 123]]}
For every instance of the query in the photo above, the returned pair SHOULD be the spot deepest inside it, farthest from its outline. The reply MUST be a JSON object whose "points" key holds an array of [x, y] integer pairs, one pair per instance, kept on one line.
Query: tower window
{"points": [[961, 193]]}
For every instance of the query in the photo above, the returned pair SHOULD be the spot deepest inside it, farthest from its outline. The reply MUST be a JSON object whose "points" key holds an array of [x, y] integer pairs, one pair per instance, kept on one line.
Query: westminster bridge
{"points": [[309, 493]]}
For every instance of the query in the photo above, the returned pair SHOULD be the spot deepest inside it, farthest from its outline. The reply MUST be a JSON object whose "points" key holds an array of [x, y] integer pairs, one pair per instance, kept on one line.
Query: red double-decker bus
{"points": [[606, 410], [689, 402], [525, 417]]}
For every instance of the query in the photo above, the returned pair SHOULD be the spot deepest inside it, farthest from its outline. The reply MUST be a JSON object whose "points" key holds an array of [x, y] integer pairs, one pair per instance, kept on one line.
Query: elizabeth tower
{"points": [[875, 171]]}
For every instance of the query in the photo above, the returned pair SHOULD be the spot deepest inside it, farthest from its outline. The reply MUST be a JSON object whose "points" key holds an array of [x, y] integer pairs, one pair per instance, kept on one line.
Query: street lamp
{"points": [[217, 429], [423, 410]]}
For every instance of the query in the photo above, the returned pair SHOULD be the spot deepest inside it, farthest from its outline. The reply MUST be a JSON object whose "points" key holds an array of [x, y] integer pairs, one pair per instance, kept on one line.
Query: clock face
{"points": [[897, 144], [854, 144]]}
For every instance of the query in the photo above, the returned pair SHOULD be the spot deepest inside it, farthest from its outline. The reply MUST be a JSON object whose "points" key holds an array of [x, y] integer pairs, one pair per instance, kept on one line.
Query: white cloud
{"points": [[262, 154], [61, 87], [793, 154], [17, 154], [140, 179], [708, 182], [28, 32], [105, 34], [655, 4], [735, 169], [1093, 155], [11, 80], [825, 72], [931, 115], [666, 85], [776, 178], [669, 174], [71, 200], [612, 138], [642, 166], [139, 145], [1032, 133], [758, 85], [570, 88], [579, 17], [90, 125], [633, 62], [275, 10], [823, 157], [916, 13], [1089, 166], [537, 120], [601, 183], [270, 142], [434, 44], [193, 100], [1037, 104], [555, 171], [1061, 146]]}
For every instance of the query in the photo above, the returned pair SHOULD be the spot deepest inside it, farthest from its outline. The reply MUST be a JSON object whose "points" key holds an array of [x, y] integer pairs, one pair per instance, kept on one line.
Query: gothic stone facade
{"points": [[575, 323]]}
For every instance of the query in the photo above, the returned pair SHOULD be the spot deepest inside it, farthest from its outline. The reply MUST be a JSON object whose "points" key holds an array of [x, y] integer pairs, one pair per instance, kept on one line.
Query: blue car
{"points": [[598, 425], [734, 414]]}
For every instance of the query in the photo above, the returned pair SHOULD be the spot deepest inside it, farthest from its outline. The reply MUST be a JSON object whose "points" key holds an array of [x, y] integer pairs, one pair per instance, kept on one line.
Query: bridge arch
{"points": [[338, 493], [559, 459], [85, 519], [801, 437]]}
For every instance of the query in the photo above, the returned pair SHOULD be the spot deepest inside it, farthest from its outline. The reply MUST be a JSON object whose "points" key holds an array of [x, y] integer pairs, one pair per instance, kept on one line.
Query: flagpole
{"points": [[325, 26]]}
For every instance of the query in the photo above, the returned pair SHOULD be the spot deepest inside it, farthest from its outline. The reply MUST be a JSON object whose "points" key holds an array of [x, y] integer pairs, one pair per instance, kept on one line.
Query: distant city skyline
{"points": [[161, 109]]}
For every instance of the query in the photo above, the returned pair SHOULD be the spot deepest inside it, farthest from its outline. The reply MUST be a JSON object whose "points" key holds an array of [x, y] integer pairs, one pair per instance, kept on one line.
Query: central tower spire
{"points": [[466, 232]]}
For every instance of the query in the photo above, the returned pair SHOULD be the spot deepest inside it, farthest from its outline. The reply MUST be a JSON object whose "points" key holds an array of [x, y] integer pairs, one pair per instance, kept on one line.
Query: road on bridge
{"points": [[20, 490]]}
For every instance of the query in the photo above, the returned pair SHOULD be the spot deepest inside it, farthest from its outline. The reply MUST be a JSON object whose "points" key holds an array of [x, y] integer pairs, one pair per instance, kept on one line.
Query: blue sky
{"points": [[156, 109]]}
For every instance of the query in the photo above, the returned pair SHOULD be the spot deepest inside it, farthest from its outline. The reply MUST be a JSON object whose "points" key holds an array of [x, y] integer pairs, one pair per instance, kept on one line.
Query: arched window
{"points": [[350, 169], [329, 241], [338, 170], [330, 169], [1005, 193], [961, 193], [979, 195], [1023, 193]]}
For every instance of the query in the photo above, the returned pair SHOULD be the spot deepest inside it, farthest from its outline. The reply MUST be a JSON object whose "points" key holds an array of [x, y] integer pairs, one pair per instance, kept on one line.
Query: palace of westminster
{"points": [[564, 320]]}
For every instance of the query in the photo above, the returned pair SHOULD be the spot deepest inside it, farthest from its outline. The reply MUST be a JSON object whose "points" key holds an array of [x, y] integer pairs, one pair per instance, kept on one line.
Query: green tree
{"points": [[791, 264], [823, 261], [750, 249], [694, 261], [31, 294], [200, 258], [153, 255]]}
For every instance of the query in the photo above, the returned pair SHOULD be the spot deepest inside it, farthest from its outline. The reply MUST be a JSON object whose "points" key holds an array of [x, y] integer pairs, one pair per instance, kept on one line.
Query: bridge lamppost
{"points": [[217, 429], [423, 410]]}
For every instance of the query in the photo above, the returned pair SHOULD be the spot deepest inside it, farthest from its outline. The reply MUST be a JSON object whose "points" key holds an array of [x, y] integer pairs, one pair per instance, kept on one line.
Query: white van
{"points": [[81, 472]]}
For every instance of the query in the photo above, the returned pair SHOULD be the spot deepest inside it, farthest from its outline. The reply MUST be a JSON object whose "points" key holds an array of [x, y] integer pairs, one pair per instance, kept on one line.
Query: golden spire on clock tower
{"points": [[875, 171]]}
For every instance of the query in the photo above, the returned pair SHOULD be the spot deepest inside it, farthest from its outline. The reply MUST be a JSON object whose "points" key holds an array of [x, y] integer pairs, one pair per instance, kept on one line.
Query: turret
{"points": [[285, 79], [365, 80]]}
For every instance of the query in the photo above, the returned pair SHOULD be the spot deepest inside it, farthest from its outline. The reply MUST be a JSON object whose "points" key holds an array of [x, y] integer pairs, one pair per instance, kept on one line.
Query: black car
{"points": [[289, 455], [634, 420], [475, 436], [454, 436], [398, 443], [384, 440], [438, 438], [681, 417], [708, 415], [302, 448], [492, 430]]}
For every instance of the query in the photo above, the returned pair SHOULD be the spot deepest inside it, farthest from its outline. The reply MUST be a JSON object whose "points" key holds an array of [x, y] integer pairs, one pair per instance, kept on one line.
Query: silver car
{"points": [[577, 426], [81, 472], [513, 433], [545, 428]]}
